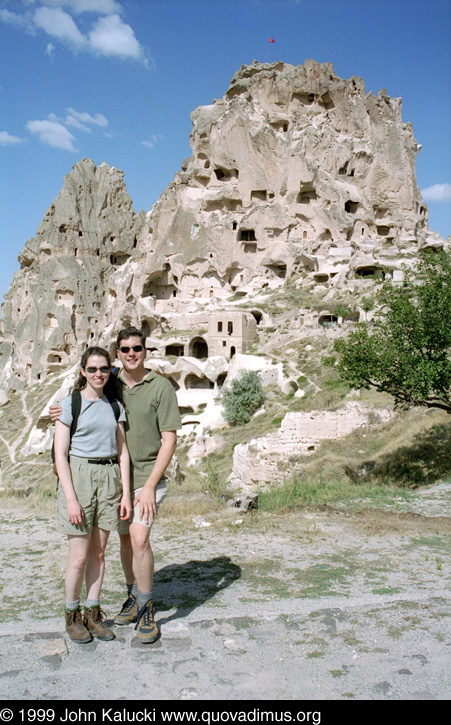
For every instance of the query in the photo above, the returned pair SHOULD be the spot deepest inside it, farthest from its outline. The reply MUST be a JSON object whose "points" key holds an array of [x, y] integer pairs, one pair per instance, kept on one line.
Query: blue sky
{"points": [[116, 81]]}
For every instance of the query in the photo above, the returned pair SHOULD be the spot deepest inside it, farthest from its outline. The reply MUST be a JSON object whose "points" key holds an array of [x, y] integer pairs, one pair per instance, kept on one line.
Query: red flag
{"points": [[271, 40]]}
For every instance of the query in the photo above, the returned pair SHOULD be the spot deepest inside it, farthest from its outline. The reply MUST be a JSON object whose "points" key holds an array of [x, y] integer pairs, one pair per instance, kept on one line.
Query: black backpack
{"points": [[76, 408]]}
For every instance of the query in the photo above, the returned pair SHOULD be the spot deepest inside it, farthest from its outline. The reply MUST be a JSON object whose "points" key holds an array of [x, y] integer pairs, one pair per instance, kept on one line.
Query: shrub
{"points": [[243, 399]]}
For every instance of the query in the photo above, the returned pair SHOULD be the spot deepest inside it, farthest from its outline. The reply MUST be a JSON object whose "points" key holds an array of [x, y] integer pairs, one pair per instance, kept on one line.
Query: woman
{"points": [[91, 498]]}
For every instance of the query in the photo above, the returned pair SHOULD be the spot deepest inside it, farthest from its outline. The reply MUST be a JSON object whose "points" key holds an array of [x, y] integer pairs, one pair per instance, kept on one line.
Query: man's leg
{"points": [[143, 569], [129, 610], [143, 561], [127, 559]]}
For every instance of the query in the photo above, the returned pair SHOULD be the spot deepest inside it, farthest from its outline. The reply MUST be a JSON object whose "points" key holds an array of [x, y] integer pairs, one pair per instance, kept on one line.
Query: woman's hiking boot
{"points": [[147, 628], [129, 611], [94, 623], [75, 627]]}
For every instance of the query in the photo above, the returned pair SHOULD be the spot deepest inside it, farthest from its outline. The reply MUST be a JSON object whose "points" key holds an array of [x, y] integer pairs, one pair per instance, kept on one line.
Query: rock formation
{"points": [[294, 173]]}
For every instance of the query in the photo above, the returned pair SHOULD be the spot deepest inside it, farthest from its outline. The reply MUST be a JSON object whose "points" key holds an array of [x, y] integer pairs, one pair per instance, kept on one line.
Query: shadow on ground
{"points": [[189, 585]]}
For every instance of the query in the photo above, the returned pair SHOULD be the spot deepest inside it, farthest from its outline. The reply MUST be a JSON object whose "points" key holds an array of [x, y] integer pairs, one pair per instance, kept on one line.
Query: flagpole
{"points": [[270, 40]]}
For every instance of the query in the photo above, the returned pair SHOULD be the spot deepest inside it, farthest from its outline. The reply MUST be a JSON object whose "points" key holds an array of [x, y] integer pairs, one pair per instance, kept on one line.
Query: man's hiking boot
{"points": [[75, 627], [129, 611], [94, 623], [147, 628]]}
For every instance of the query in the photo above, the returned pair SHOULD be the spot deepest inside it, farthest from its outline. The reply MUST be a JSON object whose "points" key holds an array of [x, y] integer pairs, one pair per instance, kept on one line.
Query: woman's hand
{"points": [[75, 512], [125, 507]]}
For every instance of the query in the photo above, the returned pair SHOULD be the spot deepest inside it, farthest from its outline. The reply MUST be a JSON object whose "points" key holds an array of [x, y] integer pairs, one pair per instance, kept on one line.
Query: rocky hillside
{"points": [[294, 172]]}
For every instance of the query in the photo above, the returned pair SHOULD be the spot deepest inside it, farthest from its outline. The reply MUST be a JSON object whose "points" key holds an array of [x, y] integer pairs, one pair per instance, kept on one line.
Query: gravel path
{"points": [[315, 605]]}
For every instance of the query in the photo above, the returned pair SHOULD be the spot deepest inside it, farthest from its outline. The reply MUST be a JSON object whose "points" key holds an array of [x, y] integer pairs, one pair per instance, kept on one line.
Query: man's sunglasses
{"points": [[104, 370], [135, 348]]}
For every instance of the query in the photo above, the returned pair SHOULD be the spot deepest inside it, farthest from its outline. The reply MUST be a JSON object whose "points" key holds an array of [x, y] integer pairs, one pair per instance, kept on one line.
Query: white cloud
{"points": [[20, 21], [7, 140], [59, 24], [53, 133], [437, 192], [154, 139], [103, 7], [111, 36], [80, 120]]}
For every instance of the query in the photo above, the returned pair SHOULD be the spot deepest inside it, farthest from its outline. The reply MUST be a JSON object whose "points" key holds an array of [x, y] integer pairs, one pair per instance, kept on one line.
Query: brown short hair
{"points": [[130, 332]]}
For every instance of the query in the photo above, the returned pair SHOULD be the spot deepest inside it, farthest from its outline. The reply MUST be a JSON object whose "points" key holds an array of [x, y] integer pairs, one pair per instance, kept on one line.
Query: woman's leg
{"points": [[95, 569], [78, 555], [95, 565]]}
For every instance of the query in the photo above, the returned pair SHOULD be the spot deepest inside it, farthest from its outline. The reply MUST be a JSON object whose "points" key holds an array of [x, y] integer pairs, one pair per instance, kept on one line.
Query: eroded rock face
{"points": [[293, 171], [58, 301]]}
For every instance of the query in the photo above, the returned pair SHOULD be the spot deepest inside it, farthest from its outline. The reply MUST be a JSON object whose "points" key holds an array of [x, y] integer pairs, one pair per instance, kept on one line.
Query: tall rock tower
{"points": [[56, 302]]}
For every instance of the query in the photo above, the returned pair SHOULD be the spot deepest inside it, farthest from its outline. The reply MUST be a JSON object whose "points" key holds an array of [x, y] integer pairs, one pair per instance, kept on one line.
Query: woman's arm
{"points": [[62, 443], [124, 465]]}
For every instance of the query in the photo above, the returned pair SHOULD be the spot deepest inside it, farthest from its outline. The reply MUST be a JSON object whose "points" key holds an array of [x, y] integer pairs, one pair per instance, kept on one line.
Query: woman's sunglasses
{"points": [[104, 370], [135, 348]]}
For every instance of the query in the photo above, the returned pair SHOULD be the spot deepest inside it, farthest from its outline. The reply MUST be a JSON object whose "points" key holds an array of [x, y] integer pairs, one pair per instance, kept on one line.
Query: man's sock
{"points": [[134, 590], [143, 599]]}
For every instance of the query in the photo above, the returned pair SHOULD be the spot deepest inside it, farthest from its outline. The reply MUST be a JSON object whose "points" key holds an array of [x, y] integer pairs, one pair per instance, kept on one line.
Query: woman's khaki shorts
{"points": [[135, 518], [99, 492]]}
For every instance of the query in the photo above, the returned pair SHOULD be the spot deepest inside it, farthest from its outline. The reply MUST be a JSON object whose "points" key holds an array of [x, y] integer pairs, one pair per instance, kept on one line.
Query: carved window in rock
{"points": [[199, 348], [259, 195], [119, 258], [220, 326], [175, 350], [193, 381], [369, 271], [327, 320], [306, 196], [223, 174], [247, 235], [351, 206], [383, 231], [229, 328]]}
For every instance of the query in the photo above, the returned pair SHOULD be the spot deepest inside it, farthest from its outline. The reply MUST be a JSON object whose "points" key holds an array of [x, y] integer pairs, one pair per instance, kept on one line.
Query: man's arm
{"points": [[146, 498], [124, 465]]}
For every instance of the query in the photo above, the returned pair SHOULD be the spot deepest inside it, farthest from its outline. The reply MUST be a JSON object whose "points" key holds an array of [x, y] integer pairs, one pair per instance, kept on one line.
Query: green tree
{"points": [[243, 398], [407, 352]]}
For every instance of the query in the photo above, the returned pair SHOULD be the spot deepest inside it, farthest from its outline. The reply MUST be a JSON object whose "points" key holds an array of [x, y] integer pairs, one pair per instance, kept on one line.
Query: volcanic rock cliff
{"points": [[294, 173]]}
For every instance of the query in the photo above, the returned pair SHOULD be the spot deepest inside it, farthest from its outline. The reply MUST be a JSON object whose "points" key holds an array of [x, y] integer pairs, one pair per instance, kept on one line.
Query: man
{"points": [[153, 419]]}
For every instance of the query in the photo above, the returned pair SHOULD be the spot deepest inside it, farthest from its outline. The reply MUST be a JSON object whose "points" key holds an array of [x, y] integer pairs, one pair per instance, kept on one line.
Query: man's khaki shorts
{"points": [[135, 518], [99, 492]]}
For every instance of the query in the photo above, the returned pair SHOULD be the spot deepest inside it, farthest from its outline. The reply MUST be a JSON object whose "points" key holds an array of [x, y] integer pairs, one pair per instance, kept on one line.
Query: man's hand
{"points": [[147, 504], [55, 412]]}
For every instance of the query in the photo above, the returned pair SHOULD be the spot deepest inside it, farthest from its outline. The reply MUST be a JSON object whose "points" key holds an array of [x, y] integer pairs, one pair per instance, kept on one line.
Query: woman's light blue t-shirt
{"points": [[95, 436]]}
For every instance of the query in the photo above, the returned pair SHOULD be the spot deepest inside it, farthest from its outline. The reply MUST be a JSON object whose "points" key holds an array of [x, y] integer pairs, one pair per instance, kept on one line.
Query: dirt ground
{"points": [[318, 604]]}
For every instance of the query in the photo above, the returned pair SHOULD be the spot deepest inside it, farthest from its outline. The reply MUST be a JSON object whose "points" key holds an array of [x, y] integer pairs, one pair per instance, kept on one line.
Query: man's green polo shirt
{"points": [[152, 409]]}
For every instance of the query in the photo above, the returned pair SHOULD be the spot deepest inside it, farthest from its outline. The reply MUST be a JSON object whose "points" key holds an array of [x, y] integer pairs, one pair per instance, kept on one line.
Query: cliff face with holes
{"points": [[58, 300], [294, 172]]}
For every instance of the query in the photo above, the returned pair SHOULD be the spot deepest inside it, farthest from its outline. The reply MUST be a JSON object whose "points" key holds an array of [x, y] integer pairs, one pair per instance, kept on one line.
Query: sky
{"points": [[117, 80]]}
